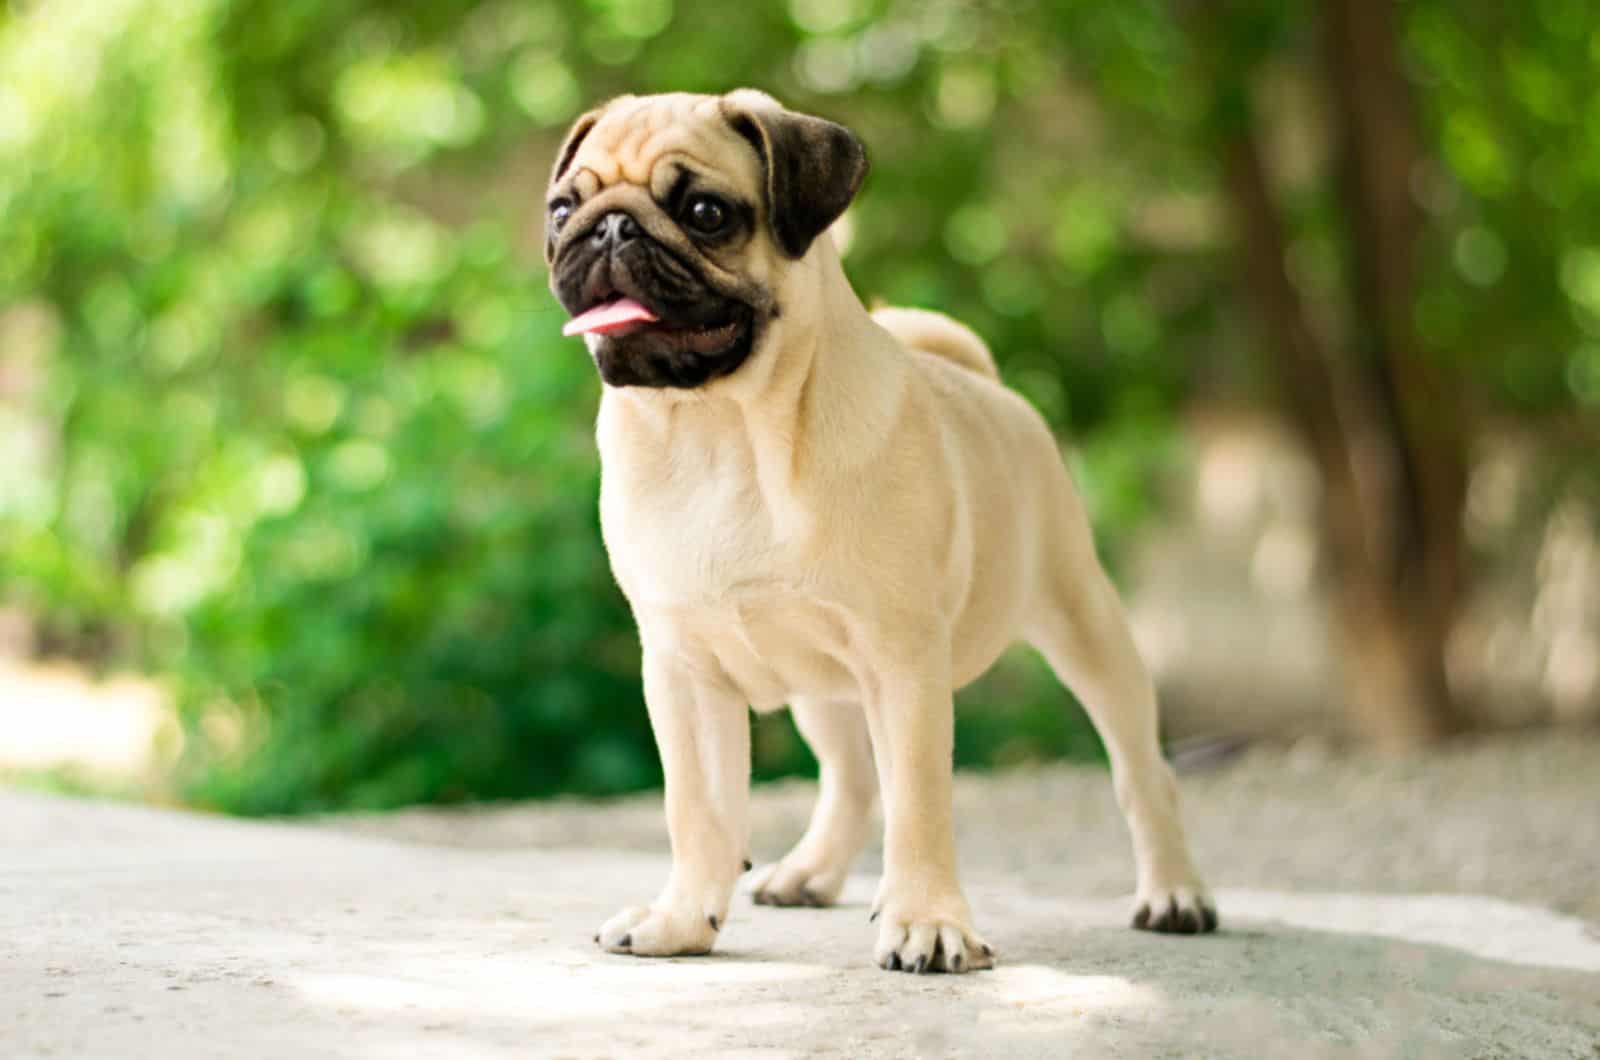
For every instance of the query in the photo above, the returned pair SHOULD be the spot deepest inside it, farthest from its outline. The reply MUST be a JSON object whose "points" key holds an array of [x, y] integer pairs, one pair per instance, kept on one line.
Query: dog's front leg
{"points": [[924, 923], [702, 729]]}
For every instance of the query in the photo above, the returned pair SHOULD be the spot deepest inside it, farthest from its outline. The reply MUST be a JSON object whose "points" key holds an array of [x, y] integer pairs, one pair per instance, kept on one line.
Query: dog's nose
{"points": [[615, 228]]}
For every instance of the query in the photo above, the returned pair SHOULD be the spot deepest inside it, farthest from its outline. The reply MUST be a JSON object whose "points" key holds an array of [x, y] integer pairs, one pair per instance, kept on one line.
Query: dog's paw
{"points": [[797, 881], [660, 931], [929, 937], [1184, 909]]}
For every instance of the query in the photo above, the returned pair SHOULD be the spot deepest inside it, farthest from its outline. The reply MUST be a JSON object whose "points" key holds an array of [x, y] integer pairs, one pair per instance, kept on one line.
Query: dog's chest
{"points": [[679, 541], [733, 599], [773, 647], [682, 509], [700, 553]]}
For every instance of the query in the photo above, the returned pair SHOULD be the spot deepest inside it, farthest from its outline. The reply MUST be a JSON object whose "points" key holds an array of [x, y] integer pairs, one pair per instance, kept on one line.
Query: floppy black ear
{"points": [[569, 149], [813, 167]]}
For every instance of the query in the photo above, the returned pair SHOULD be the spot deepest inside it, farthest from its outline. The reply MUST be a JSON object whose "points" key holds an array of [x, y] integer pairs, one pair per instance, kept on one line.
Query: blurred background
{"points": [[297, 482]]}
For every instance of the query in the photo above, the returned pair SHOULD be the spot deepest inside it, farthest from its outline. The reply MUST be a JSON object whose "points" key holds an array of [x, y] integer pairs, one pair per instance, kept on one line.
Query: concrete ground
{"points": [[1436, 907]]}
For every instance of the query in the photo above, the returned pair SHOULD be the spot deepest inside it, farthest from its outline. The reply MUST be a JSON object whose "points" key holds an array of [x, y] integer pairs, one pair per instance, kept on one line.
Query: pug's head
{"points": [[673, 223]]}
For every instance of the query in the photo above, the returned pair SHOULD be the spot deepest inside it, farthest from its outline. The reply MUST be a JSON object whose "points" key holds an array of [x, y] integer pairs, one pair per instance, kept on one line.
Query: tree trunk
{"points": [[1379, 157], [1382, 424]]}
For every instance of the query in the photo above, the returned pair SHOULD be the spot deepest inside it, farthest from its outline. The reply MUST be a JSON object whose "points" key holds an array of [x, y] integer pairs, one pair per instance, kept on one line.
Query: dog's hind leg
{"points": [[814, 871], [1078, 624]]}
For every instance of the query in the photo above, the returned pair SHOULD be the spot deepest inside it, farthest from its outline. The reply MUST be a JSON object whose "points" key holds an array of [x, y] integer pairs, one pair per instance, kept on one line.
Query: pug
{"points": [[811, 505]]}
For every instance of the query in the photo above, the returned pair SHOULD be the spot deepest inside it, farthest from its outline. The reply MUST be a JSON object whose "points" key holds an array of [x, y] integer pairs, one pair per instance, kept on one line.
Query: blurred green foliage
{"points": [[312, 444]]}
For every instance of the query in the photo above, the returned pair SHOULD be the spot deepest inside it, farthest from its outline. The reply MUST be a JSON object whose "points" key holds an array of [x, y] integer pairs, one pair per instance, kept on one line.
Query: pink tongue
{"points": [[608, 317]]}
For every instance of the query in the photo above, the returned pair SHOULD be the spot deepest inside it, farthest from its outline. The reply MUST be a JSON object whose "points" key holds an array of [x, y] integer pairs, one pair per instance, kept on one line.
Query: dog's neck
{"points": [[816, 400], [831, 374]]}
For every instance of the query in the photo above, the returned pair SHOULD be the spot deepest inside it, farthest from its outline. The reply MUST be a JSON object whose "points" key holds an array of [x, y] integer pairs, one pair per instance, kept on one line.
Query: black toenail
{"points": [[625, 941], [1188, 923], [597, 938], [1141, 919], [1208, 918], [956, 962], [714, 925], [922, 965], [874, 916], [747, 865], [894, 962]]}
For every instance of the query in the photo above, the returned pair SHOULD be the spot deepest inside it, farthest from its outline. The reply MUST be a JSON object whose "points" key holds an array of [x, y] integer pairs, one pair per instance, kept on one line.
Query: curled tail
{"points": [[935, 333]]}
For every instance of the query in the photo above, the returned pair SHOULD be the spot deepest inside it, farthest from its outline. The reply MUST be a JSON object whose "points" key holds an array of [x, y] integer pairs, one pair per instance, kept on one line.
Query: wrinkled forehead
{"points": [[645, 142]]}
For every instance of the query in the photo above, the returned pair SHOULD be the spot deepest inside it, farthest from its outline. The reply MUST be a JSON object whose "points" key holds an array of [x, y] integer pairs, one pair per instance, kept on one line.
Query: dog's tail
{"points": [[937, 334]]}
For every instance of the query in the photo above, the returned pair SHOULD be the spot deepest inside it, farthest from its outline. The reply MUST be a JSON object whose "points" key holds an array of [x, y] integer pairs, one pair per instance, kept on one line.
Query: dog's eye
{"points": [[706, 214], [560, 210]]}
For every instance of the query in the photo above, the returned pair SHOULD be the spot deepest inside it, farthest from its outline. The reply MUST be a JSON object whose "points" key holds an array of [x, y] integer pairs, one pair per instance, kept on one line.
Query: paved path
{"points": [[1435, 908]]}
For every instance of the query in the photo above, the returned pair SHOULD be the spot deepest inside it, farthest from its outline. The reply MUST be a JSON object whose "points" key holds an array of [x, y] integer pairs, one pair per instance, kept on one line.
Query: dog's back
{"points": [[935, 333]]}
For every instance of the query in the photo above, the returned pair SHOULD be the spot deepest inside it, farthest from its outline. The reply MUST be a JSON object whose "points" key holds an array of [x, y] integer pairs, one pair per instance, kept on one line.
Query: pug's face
{"points": [[673, 220]]}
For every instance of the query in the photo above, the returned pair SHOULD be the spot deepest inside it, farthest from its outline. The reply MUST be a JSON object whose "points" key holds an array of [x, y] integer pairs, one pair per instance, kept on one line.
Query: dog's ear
{"points": [[813, 167], [569, 149]]}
